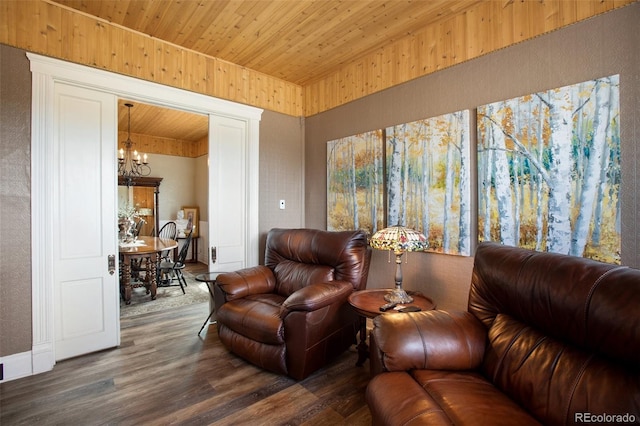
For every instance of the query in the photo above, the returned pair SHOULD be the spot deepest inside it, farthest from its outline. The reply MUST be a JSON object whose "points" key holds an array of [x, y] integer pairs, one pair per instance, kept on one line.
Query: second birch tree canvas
{"points": [[549, 170], [428, 180]]}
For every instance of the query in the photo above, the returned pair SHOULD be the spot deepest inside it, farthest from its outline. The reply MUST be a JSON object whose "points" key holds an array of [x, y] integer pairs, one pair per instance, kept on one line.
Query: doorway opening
{"points": [[176, 145], [234, 125]]}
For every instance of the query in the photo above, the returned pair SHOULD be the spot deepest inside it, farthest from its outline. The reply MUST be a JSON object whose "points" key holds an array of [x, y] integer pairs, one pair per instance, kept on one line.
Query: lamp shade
{"points": [[398, 239]]}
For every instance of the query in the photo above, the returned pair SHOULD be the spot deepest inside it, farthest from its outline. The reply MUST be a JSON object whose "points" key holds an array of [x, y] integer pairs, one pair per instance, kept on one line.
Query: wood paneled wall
{"points": [[50, 29], [484, 28], [54, 30], [167, 146]]}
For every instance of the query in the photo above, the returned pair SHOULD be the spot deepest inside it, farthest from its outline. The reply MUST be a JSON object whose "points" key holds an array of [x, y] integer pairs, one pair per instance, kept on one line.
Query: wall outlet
{"points": [[282, 204]]}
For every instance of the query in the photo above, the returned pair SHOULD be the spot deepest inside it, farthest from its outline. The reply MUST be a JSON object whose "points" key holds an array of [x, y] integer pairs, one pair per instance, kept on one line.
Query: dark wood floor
{"points": [[163, 373]]}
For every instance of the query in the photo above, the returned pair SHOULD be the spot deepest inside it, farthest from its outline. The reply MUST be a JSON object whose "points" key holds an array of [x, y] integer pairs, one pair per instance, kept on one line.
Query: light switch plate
{"points": [[282, 204]]}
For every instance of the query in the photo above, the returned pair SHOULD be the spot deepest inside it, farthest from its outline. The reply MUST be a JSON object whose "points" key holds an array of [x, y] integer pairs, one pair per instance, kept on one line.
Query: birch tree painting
{"points": [[428, 180], [355, 183], [549, 170]]}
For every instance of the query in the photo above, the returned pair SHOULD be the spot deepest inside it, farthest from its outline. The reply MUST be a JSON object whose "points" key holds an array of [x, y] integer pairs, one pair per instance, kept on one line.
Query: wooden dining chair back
{"points": [[168, 230], [139, 224], [170, 271]]}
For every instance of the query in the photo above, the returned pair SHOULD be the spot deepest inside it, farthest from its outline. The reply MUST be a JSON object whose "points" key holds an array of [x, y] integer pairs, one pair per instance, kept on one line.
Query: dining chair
{"points": [[169, 270], [168, 230], [139, 224]]}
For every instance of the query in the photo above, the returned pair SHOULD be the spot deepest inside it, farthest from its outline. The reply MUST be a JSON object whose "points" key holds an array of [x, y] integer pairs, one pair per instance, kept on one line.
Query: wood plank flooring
{"points": [[163, 373]]}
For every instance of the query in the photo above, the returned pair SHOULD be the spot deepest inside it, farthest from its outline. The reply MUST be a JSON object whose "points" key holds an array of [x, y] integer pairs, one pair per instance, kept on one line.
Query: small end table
{"points": [[367, 304], [210, 279]]}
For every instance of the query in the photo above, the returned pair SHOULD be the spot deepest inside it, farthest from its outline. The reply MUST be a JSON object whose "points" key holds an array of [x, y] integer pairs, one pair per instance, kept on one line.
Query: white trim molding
{"points": [[45, 73], [16, 366], [42, 350]]}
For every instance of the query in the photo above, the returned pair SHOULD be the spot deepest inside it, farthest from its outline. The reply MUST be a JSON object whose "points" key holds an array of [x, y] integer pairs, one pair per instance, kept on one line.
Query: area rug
{"points": [[166, 298]]}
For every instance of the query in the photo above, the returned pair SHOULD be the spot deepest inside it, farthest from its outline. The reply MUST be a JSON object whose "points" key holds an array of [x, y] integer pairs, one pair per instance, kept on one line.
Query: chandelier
{"points": [[131, 165]]}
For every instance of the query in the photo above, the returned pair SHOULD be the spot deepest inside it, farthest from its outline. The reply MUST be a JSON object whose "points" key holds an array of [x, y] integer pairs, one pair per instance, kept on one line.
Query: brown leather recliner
{"points": [[547, 338], [291, 316]]}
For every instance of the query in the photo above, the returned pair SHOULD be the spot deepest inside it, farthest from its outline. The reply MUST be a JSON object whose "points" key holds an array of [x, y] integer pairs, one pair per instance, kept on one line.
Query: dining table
{"points": [[145, 250]]}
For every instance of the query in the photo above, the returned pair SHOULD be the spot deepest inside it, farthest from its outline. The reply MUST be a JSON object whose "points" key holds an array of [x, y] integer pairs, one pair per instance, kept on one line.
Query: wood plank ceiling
{"points": [[299, 41], [162, 122]]}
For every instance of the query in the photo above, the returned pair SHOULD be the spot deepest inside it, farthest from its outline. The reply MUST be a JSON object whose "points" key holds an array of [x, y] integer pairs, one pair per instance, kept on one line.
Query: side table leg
{"points": [[194, 250], [209, 286], [205, 322], [363, 349]]}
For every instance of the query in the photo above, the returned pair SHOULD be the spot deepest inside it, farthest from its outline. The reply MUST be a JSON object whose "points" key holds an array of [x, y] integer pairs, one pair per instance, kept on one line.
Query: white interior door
{"points": [[84, 221], [228, 193]]}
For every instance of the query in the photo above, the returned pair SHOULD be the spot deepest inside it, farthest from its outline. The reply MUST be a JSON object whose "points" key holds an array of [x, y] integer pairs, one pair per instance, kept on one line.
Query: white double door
{"points": [[75, 297], [84, 203]]}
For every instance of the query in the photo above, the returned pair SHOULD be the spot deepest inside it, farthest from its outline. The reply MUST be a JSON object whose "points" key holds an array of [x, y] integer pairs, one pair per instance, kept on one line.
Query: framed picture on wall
{"points": [[428, 165], [549, 174], [192, 214], [355, 175]]}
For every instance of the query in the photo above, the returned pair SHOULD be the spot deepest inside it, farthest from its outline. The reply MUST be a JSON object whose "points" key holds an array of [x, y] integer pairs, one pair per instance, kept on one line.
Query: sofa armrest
{"points": [[437, 340], [242, 283], [316, 296]]}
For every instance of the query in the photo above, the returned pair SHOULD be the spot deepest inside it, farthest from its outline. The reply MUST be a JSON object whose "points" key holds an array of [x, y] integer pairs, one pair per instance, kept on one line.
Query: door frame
{"points": [[45, 72]]}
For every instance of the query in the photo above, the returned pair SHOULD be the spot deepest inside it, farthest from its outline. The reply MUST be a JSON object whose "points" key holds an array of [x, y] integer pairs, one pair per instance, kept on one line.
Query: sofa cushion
{"points": [[316, 247], [438, 397], [554, 380], [269, 357], [292, 276], [572, 299], [256, 317], [435, 340]]}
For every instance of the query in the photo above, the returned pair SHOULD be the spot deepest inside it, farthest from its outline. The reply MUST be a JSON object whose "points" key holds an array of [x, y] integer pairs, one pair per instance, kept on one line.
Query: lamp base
{"points": [[398, 295]]}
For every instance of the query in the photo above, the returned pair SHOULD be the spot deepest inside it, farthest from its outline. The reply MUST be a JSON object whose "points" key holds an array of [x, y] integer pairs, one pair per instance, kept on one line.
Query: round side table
{"points": [[367, 304]]}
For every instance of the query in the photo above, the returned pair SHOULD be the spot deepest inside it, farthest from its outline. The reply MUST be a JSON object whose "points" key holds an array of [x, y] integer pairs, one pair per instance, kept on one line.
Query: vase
{"points": [[126, 225]]}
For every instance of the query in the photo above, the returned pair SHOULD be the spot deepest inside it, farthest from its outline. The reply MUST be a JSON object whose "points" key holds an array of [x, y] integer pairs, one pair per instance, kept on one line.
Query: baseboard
{"points": [[16, 366]]}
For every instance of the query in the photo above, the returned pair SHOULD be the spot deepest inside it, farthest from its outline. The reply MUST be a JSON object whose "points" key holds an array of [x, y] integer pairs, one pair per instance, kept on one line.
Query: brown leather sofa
{"points": [[291, 315], [547, 339]]}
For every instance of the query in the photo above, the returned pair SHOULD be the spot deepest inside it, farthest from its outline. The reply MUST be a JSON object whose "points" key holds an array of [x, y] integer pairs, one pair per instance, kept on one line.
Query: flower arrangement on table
{"points": [[126, 223]]}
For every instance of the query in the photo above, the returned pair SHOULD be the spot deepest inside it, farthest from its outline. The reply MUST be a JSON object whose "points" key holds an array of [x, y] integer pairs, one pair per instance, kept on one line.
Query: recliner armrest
{"points": [[316, 296], [242, 283], [437, 340]]}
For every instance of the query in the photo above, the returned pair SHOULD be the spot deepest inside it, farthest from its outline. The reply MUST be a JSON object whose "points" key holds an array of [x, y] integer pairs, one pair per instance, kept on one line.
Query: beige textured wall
{"points": [[178, 187], [281, 177], [601, 46], [15, 203], [281, 173]]}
